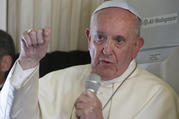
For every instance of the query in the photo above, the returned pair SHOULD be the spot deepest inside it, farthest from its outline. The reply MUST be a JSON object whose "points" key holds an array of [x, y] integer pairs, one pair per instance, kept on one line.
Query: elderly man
{"points": [[127, 91], [7, 52]]}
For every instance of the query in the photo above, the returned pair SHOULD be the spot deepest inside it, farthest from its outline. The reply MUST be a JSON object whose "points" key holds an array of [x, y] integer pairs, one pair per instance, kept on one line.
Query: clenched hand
{"points": [[88, 106], [34, 44]]}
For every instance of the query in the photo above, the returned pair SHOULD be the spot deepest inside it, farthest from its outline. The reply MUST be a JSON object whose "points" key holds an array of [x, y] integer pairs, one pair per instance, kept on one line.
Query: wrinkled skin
{"points": [[34, 44]]}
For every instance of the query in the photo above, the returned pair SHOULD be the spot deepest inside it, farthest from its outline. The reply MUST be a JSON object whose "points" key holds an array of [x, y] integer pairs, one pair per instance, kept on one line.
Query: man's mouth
{"points": [[105, 62]]}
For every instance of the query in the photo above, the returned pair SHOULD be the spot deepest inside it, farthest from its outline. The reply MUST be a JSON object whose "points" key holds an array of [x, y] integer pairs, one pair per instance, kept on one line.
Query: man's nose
{"points": [[108, 46]]}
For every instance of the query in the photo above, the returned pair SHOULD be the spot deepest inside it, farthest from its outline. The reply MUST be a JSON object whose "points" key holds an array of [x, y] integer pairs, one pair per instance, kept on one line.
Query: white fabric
{"points": [[67, 19], [142, 96], [17, 85], [22, 74], [118, 3]]}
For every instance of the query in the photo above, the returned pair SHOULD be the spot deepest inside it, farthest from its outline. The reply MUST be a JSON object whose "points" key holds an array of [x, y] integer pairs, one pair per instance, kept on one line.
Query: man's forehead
{"points": [[117, 4]]}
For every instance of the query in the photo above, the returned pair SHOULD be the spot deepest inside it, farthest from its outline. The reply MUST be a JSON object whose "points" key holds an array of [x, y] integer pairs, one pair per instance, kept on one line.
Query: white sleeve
{"points": [[19, 95]]}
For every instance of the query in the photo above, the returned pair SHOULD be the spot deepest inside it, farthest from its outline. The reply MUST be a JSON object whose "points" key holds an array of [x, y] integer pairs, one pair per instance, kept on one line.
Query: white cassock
{"points": [[141, 96]]}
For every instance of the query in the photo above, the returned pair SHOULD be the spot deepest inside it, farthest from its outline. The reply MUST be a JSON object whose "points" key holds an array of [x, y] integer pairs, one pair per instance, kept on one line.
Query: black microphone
{"points": [[93, 83]]}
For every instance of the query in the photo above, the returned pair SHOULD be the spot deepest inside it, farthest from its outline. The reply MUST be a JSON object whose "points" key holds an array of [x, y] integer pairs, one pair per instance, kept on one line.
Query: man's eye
{"points": [[101, 37], [119, 40]]}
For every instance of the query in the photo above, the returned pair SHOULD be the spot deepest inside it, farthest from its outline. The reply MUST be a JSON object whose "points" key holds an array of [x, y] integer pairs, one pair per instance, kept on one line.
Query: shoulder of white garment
{"points": [[153, 93], [149, 79], [65, 76], [69, 71], [18, 76]]}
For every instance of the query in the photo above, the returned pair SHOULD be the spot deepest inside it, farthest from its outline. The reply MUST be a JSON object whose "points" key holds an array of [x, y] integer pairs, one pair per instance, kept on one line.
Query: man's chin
{"points": [[105, 68], [105, 71]]}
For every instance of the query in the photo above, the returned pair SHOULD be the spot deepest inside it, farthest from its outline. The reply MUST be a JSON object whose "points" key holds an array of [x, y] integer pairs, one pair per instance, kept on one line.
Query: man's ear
{"points": [[5, 63], [138, 45], [88, 36]]}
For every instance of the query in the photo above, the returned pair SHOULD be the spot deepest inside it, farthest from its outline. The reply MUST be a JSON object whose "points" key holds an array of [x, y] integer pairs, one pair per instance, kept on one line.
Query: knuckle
{"points": [[39, 30], [24, 36], [28, 31], [32, 33]]}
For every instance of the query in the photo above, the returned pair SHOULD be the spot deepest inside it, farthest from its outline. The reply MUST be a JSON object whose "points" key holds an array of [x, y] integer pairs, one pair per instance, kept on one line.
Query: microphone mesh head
{"points": [[93, 83]]}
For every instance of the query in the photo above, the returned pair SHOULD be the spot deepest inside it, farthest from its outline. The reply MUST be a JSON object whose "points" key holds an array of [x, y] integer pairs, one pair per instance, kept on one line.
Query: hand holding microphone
{"points": [[88, 106]]}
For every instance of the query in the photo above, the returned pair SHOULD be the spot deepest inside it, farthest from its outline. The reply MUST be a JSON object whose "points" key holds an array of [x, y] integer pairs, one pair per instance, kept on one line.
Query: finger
{"points": [[24, 44], [46, 34], [82, 99], [87, 93], [85, 98], [79, 113], [92, 97], [33, 38], [40, 36], [78, 106], [26, 39], [81, 105]]}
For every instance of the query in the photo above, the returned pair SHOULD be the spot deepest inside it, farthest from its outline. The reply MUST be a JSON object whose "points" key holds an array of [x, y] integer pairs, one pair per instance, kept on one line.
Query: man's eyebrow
{"points": [[114, 37], [100, 32], [119, 36]]}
